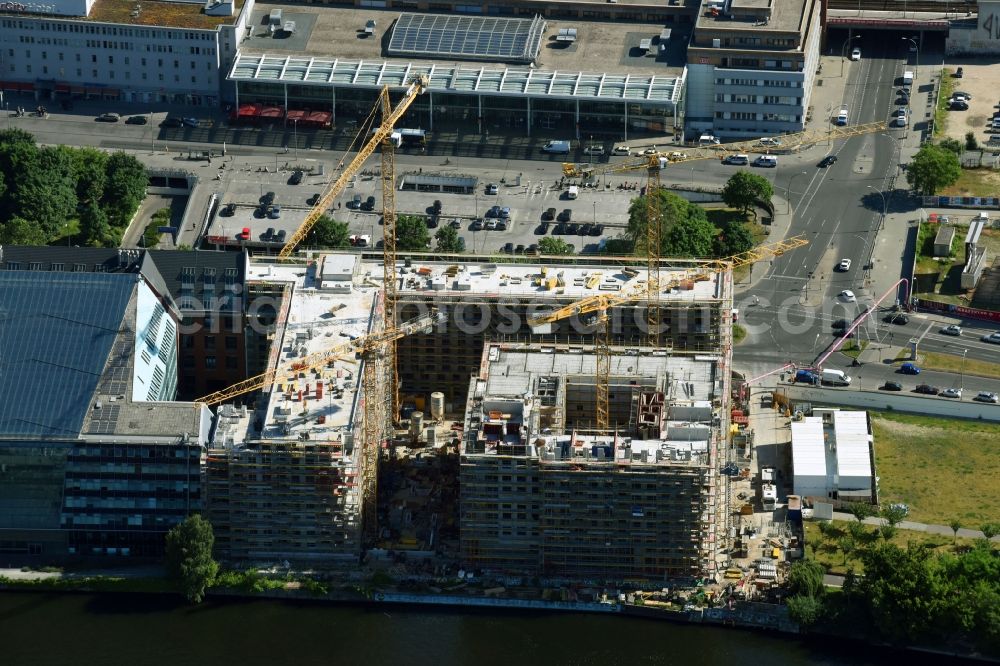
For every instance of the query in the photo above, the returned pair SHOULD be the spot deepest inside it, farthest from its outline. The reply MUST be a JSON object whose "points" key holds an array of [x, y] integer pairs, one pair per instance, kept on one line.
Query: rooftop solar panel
{"points": [[56, 330], [467, 37]]}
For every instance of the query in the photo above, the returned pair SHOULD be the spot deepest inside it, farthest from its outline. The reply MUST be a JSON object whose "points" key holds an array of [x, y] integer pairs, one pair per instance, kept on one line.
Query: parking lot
{"points": [[979, 80], [519, 213]]}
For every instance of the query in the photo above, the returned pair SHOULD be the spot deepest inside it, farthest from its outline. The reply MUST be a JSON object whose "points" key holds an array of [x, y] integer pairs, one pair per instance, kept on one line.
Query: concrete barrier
{"points": [[889, 401]]}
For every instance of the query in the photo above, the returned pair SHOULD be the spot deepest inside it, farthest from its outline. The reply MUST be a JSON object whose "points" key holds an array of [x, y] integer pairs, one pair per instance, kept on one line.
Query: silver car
{"points": [[987, 396]]}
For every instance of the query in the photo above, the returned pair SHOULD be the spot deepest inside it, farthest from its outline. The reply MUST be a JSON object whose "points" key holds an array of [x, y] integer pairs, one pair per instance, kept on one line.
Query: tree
{"points": [[955, 526], [989, 530], [932, 169], [189, 557], [903, 590], [448, 239], [45, 188], [970, 141], [95, 228], [553, 245], [618, 247], [804, 609], [329, 233], [673, 210], [693, 237], [860, 510], [893, 514], [19, 231], [744, 189], [411, 230], [847, 544], [805, 578], [951, 145], [734, 239], [124, 189]]}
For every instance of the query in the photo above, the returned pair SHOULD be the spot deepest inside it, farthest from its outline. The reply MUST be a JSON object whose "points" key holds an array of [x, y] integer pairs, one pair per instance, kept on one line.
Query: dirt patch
{"points": [[979, 80]]}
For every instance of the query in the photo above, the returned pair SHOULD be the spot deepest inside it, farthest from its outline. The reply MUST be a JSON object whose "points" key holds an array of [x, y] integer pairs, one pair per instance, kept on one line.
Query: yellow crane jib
{"points": [[361, 345], [417, 86]]}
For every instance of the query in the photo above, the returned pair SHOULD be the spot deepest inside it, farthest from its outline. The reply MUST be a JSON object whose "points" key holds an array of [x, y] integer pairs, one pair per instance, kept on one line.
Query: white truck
{"points": [[768, 488], [835, 378], [556, 147]]}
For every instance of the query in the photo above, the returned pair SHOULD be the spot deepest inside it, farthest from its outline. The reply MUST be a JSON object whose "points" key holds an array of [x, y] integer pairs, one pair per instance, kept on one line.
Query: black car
{"points": [[508, 248], [436, 208], [959, 105], [280, 236], [296, 178], [891, 386], [267, 199], [560, 229], [827, 161], [927, 389], [549, 214], [501, 225], [573, 229], [519, 249], [959, 73], [494, 211], [584, 229], [108, 118], [171, 122], [313, 200], [597, 230], [432, 222], [532, 249], [368, 204], [543, 229], [267, 235], [841, 323], [137, 120], [455, 224], [229, 209], [477, 225], [897, 318], [566, 215]]}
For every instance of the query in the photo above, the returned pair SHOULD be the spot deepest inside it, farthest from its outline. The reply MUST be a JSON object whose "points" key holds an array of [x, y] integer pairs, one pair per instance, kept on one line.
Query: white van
{"points": [[766, 161], [836, 378], [708, 140], [573, 192], [842, 116], [907, 78], [739, 159]]}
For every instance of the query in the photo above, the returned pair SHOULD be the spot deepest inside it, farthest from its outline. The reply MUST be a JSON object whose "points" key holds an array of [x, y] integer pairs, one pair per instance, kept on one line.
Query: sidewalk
{"points": [[918, 527]]}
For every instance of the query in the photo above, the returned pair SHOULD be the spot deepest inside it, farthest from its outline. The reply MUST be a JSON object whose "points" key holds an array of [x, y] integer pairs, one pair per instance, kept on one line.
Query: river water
{"points": [[38, 629]]}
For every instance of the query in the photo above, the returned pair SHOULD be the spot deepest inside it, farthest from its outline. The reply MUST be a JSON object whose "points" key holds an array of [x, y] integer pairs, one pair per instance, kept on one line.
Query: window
{"points": [[187, 361], [230, 343], [210, 342], [210, 363], [93, 58], [231, 363]]}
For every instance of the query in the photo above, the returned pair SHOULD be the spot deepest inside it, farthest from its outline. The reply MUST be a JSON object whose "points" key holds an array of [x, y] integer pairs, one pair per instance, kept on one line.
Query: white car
{"points": [[593, 150], [848, 297], [677, 155], [992, 338], [953, 329], [650, 151], [622, 150], [951, 393], [769, 141], [844, 265], [987, 396], [856, 53], [491, 225]]}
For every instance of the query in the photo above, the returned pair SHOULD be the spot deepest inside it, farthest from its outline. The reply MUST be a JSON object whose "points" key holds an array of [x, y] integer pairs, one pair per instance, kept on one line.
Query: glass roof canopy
{"points": [[468, 37], [493, 80]]}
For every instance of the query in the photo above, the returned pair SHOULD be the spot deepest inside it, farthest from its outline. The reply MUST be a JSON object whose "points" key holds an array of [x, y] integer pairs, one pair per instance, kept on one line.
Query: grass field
{"points": [[951, 363], [941, 112], [974, 183], [826, 549], [944, 469]]}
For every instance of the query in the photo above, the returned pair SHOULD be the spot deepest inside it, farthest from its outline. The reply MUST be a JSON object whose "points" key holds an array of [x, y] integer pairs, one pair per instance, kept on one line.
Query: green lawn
{"points": [[941, 113], [974, 183], [941, 280], [944, 469], [69, 230], [954, 364], [853, 349], [739, 333]]}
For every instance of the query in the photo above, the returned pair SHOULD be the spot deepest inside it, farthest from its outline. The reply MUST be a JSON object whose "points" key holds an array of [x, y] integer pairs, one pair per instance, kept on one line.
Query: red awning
{"points": [[295, 114], [77, 90], [28, 87], [62, 87], [249, 110], [272, 112], [94, 91]]}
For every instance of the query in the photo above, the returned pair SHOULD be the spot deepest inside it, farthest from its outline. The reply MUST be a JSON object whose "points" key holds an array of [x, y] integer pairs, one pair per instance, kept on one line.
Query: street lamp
{"points": [[962, 376], [843, 51], [295, 136], [916, 65], [788, 187], [885, 204]]}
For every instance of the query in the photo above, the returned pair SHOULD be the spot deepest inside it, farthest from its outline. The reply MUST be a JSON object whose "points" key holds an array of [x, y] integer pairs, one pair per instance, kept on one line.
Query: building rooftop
{"points": [[808, 457], [56, 332], [853, 445], [195, 281], [604, 61], [161, 14], [517, 406], [322, 403], [755, 15], [69, 259]]}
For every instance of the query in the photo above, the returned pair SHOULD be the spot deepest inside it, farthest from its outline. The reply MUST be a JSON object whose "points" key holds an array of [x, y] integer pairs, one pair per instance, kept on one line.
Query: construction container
{"points": [[437, 405], [416, 424]]}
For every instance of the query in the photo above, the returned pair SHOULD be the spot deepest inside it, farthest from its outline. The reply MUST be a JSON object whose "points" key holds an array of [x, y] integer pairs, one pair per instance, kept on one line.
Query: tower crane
{"points": [[599, 304], [655, 161]]}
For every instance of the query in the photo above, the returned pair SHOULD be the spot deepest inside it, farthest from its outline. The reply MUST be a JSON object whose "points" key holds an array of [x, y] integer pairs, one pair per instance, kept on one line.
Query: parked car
{"points": [[491, 225], [960, 93], [280, 236], [436, 207], [171, 122], [477, 225], [504, 213], [491, 188], [927, 389], [953, 329], [229, 210], [891, 386], [593, 150], [827, 161], [369, 204], [621, 150], [519, 249], [296, 177], [959, 105], [584, 229], [987, 396], [501, 225], [959, 73], [494, 211], [314, 199], [909, 369], [560, 229], [137, 120], [549, 214], [432, 222], [597, 230], [952, 393], [267, 235], [566, 215], [508, 248], [455, 223], [108, 118], [189, 122], [573, 229], [245, 234], [542, 229], [274, 213], [532, 249], [355, 202], [267, 199]]}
